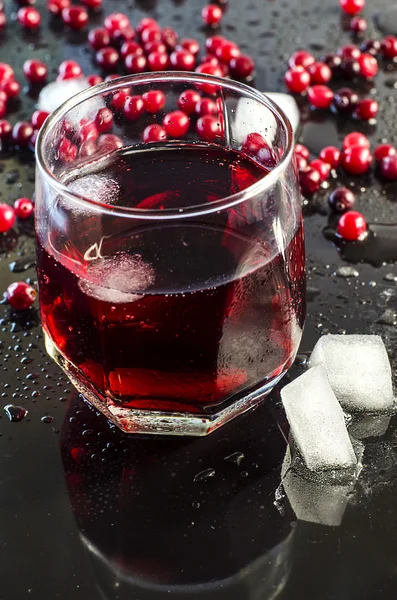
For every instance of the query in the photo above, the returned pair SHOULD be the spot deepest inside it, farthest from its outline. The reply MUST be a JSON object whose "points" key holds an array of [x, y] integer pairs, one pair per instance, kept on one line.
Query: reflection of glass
{"points": [[151, 531], [171, 274]]}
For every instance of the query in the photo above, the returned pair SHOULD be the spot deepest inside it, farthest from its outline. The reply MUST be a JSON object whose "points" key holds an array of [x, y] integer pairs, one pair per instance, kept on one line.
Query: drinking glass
{"points": [[170, 249]]}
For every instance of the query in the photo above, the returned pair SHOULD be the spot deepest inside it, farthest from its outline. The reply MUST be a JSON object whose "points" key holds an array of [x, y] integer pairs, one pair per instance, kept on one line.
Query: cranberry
{"points": [[107, 58], [6, 72], [190, 45], [3, 109], [109, 142], [301, 58], [345, 100], [358, 24], [7, 217], [302, 150], [147, 23], [150, 35], [67, 151], [176, 123], [135, 63], [35, 70], [120, 36], [182, 60], [104, 120], [267, 157], [356, 160], [154, 100], [133, 108], [88, 131], [367, 109], [38, 118], [214, 42], [154, 133], [209, 128], [352, 7], [23, 208], [227, 51], [70, 69], [371, 47], [155, 47], [242, 66], [20, 295], [29, 17], [368, 66], [170, 38], [187, 101], [356, 139], [21, 133], [352, 226], [209, 69], [384, 150], [322, 167], [320, 96], [297, 80], [350, 68], [116, 21], [118, 99], [349, 51], [389, 46], [87, 149], [310, 180], [11, 88], [301, 162], [341, 200], [92, 4], [388, 167], [56, 6], [130, 48], [212, 14], [76, 17], [3, 21], [94, 79], [320, 72], [98, 38], [5, 129], [158, 61], [330, 155], [206, 106], [334, 61]]}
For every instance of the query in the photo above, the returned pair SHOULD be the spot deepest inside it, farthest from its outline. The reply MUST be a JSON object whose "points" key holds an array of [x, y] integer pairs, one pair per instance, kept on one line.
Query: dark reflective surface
{"points": [[87, 513]]}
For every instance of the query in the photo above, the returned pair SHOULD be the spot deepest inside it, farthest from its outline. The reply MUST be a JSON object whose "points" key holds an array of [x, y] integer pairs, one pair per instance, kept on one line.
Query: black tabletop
{"points": [[88, 512]]}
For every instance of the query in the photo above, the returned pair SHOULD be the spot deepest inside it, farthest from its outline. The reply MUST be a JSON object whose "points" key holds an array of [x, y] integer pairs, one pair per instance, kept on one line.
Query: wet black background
{"points": [[135, 501]]}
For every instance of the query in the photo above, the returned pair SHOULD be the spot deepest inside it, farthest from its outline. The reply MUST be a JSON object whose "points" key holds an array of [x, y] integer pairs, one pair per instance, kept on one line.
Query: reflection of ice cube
{"points": [[100, 188], [117, 279], [311, 501], [369, 426], [56, 93], [317, 422], [358, 370]]}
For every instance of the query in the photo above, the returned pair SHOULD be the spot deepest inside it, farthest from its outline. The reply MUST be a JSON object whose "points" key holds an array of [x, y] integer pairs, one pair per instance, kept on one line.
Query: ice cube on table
{"points": [[317, 422], [56, 93], [358, 370]]}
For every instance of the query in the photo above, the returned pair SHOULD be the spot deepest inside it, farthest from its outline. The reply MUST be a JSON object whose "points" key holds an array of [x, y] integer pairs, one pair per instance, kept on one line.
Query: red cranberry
{"points": [[320, 72], [150, 35], [87, 149], [155, 47], [187, 101], [242, 66], [350, 68], [170, 38], [158, 61], [35, 70], [133, 108], [104, 120], [176, 123], [67, 151], [389, 46], [349, 51], [388, 167], [341, 200], [182, 60], [116, 21], [3, 109], [98, 38], [70, 69], [356, 139], [107, 58], [301, 58], [367, 109], [384, 150], [320, 96], [20, 295], [11, 88], [147, 23], [190, 45], [358, 24], [21, 133], [154, 100], [120, 36], [29, 17], [5, 129], [214, 42], [130, 48], [7, 217], [3, 96], [206, 106], [371, 47], [38, 118], [209, 128], [227, 51], [352, 7], [368, 66], [56, 6], [297, 80], [352, 226], [330, 155], [333, 61], [23, 208], [92, 4], [6, 72], [212, 14], [267, 157], [154, 133], [94, 79], [109, 142], [88, 131], [301, 162], [302, 150], [208, 88], [3, 21], [135, 63], [76, 17], [310, 180], [322, 167], [345, 100], [356, 160], [118, 99]]}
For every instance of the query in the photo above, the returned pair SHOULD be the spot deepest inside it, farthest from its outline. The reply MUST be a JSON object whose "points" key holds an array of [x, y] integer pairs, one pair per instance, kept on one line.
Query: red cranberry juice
{"points": [[182, 315]]}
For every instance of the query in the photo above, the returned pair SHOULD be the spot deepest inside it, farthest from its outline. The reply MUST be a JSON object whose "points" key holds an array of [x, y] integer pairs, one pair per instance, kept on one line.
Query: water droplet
{"points": [[20, 266], [346, 271], [15, 413], [235, 459], [47, 419], [204, 475], [390, 277], [389, 317], [301, 359]]}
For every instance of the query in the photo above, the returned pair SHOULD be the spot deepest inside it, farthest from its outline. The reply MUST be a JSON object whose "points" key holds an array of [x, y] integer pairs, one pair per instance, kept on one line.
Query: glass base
{"points": [[132, 420]]}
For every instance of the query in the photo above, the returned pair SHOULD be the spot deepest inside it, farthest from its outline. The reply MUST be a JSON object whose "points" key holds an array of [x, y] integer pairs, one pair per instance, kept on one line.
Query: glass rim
{"points": [[266, 182]]}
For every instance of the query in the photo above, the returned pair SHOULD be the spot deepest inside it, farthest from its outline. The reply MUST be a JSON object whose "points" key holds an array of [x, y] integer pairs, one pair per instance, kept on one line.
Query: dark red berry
{"points": [[182, 60], [75, 17], [214, 42], [368, 66], [92, 4], [356, 139], [20, 295], [5, 129], [330, 155], [99, 38], [130, 48], [38, 118], [242, 66], [7, 217], [301, 162], [133, 108], [356, 160], [320, 96], [11, 88], [135, 63], [302, 150], [116, 21], [170, 38], [67, 151], [310, 180], [367, 109], [154, 100], [118, 99], [227, 51], [301, 58], [56, 6], [94, 79], [155, 47], [371, 47], [212, 14], [23, 208], [29, 17], [352, 7], [384, 150], [358, 24], [352, 226], [322, 167], [104, 120], [388, 167], [147, 23], [21, 133], [319, 72], [389, 46], [209, 128], [187, 101], [333, 61], [88, 131], [297, 80], [345, 100], [158, 61], [154, 133], [349, 51], [70, 69], [341, 200], [3, 109], [120, 36], [206, 106], [176, 123], [350, 68], [190, 45], [107, 58], [35, 70], [209, 88]]}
